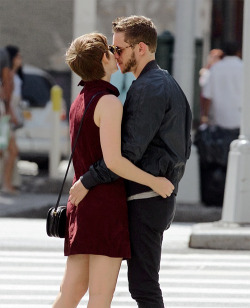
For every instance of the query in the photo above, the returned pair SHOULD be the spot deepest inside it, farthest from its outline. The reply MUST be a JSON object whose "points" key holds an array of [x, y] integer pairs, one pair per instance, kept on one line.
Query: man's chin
{"points": [[121, 68]]}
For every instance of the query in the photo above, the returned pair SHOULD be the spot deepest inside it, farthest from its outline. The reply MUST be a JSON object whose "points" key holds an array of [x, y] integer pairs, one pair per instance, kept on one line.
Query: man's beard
{"points": [[130, 64]]}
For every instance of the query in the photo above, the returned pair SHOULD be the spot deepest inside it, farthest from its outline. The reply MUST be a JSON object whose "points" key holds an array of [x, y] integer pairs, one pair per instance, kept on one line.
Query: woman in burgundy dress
{"points": [[97, 237]]}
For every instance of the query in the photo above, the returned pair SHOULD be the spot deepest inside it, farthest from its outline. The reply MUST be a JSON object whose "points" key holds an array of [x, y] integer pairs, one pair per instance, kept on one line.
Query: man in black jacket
{"points": [[155, 137]]}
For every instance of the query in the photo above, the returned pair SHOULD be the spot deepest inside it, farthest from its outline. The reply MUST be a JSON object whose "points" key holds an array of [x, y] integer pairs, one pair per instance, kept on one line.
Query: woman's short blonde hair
{"points": [[84, 56]]}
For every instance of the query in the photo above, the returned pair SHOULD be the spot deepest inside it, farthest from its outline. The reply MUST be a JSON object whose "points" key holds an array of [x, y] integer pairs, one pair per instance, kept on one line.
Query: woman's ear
{"points": [[105, 58]]}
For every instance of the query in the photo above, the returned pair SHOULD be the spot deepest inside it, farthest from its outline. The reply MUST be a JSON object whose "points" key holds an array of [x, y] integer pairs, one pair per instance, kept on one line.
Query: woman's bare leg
{"points": [[12, 153], [75, 282], [103, 273]]}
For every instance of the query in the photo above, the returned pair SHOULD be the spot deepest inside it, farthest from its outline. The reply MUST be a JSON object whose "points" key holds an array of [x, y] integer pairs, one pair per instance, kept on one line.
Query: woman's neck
{"points": [[106, 78]]}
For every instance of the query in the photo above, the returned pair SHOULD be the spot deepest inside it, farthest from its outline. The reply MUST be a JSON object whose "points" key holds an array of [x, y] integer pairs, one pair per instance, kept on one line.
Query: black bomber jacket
{"points": [[156, 129]]}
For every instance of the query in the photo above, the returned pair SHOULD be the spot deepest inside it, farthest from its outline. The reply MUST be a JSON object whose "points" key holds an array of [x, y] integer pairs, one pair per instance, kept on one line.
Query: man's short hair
{"points": [[84, 56], [231, 48], [137, 29]]}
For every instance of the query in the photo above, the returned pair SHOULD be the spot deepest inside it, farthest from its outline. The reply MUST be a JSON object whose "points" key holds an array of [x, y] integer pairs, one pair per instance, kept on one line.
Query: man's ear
{"points": [[142, 48]]}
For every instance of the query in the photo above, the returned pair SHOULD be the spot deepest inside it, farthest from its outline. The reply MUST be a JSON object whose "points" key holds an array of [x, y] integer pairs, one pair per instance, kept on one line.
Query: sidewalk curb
{"points": [[220, 235]]}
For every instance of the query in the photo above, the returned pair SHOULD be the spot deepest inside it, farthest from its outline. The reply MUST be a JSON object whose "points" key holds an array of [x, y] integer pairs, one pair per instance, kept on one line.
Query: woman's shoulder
{"points": [[109, 100], [109, 104]]}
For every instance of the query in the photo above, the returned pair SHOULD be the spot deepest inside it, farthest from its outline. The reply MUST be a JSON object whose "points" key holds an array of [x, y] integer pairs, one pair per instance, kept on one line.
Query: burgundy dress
{"points": [[99, 225]]}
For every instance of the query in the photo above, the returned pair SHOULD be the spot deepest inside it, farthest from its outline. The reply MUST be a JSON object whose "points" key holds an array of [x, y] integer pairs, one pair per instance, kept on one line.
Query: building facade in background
{"points": [[44, 29]]}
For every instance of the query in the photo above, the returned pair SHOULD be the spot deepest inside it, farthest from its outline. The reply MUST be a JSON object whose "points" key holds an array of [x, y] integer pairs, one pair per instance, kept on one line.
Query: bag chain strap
{"points": [[72, 153]]}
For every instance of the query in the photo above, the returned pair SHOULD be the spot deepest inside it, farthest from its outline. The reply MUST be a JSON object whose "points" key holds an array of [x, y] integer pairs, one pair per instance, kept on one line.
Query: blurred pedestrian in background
{"points": [[17, 75], [221, 111], [223, 89], [6, 81], [16, 120], [6, 87], [214, 56]]}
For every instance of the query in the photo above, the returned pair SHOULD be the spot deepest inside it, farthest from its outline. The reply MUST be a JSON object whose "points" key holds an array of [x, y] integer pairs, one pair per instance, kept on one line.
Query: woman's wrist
{"points": [[151, 183]]}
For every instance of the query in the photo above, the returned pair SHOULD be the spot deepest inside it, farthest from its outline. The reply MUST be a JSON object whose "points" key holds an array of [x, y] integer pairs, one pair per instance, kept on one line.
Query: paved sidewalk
{"points": [[29, 205], [39, 193]]}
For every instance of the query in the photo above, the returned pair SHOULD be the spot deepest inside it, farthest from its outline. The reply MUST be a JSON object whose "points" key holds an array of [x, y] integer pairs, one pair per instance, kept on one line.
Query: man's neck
{"points": [[142, 64]]}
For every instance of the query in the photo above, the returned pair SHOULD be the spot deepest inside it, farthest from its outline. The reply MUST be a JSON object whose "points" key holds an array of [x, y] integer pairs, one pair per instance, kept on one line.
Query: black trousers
{"points": [[148, 218]]}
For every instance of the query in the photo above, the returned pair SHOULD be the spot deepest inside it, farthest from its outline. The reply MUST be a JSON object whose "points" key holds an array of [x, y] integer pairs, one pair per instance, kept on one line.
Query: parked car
{"points": [[34, 138]]}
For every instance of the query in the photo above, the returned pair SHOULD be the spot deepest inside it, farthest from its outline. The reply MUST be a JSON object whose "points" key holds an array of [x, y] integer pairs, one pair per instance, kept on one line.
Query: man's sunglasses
{"points": [[114, 49]]}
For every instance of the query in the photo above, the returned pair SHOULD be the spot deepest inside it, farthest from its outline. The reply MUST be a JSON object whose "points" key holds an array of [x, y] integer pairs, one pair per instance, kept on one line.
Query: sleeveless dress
{"points": [[99, 224]]}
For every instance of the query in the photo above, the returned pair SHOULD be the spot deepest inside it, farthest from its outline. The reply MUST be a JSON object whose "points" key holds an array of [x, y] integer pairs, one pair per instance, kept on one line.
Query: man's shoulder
{"points": [[156, 73], [152, 79]]}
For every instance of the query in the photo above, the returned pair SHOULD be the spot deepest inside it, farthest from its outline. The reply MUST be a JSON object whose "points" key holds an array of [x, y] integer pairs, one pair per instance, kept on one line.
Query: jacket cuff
{"points": [[87, 180]]}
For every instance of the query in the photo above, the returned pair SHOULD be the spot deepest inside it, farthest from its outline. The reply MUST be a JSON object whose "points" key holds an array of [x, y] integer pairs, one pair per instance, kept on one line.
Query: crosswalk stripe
{"points": [[122, 305], [236, 274], [167, 290], [170, 261], [55, 278], [30, 260], [48, 254], [122, 299]]}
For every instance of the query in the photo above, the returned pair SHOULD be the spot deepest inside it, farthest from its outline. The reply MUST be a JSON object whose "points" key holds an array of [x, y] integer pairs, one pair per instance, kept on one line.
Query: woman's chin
{"points": [[115, 70]]}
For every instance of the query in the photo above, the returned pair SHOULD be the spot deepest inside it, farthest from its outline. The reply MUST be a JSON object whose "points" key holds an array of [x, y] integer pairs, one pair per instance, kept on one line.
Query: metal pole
{"points": [[183, 71], [84, 21], [184, 46], [245, 124], [237, 191], [54, 158]]}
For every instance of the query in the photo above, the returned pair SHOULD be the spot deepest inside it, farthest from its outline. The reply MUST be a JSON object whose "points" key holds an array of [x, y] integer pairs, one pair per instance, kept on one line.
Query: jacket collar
{"points": [[149, 66]]}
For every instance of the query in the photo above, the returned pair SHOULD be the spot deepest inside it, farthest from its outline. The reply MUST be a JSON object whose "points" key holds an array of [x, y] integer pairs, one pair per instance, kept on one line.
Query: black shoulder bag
{"points": [[56, 216]]}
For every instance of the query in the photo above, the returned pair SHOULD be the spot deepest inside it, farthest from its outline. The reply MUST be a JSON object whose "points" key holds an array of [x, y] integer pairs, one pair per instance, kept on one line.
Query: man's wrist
{"points": [[87, 180]]}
